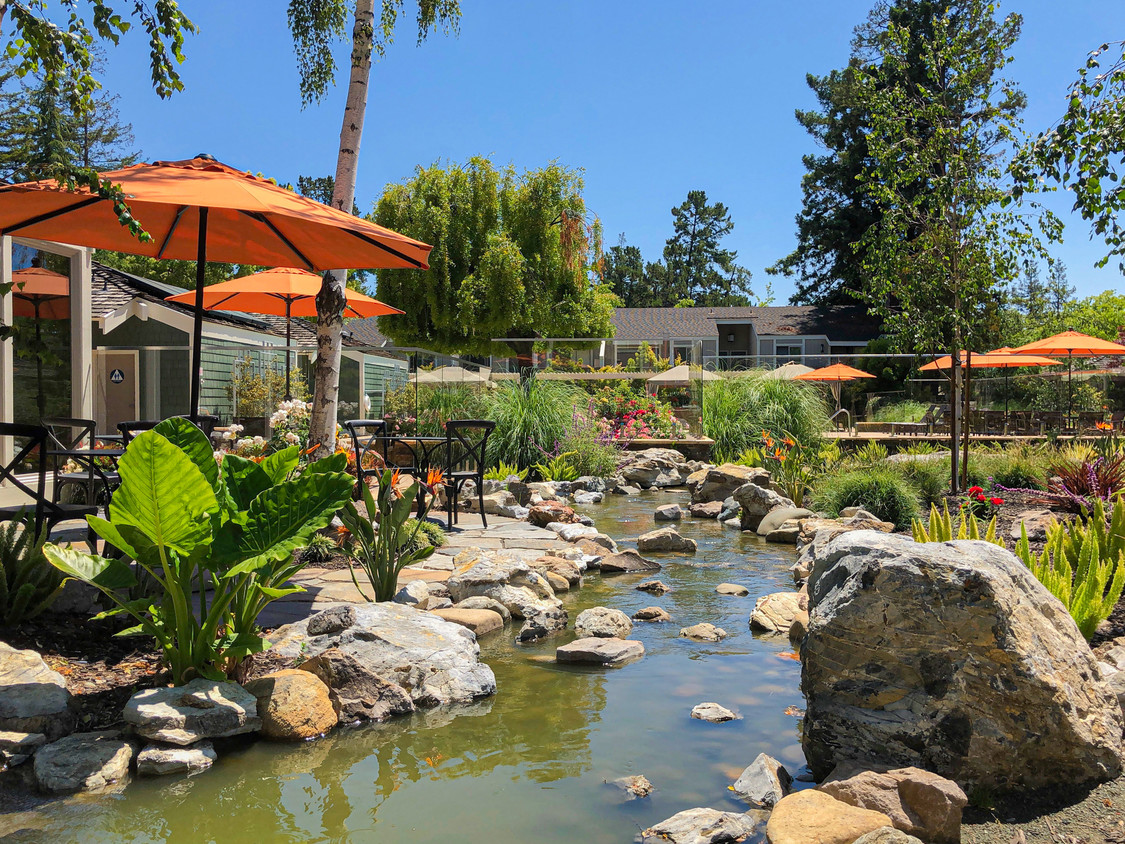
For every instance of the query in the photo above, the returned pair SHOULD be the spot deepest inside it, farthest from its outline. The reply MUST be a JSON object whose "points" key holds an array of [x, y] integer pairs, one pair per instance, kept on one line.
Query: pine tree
{"points": [[698, 268]]}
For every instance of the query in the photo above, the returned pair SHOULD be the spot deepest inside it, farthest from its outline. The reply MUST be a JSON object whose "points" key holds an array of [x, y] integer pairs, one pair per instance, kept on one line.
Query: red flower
{"points": [[996, 502], [975, 490], [980, 498]]}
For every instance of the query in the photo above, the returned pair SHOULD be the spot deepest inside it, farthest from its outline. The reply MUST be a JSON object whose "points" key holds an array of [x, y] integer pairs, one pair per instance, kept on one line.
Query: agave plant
{"points": [[940, 528]]}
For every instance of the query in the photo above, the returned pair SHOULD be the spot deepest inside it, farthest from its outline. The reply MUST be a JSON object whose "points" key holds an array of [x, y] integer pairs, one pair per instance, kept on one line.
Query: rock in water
{"points": [[436, 661], [765, 781], [654, 614], [479, 621], [627, 562], [158, 760], [703, 632], [813, 817], [33, 698], [775, 613], [707, 510], [702, 826], [714, 713], [598, 651], [504, 578], [668, 513], [716, 483], [543, 623], [16, 748], [604, 622], [482, 602], [950, 657], [917, 801], [664, 539], [732, 589], [201, 709], [756, 501], [775, 518], [656, 467], [83, 762], [633, 787], [654, 587], [356, 693], [293, 705]]}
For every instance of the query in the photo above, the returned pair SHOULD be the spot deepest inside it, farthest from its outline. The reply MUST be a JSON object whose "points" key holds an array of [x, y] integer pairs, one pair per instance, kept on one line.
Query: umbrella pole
{"points": [[197, 327], [41, 400], [288, 344], [1069, 389]]}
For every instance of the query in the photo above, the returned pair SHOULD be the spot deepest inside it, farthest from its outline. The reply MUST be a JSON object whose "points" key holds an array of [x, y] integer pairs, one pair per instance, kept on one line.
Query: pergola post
{"points": [[81, 335]]}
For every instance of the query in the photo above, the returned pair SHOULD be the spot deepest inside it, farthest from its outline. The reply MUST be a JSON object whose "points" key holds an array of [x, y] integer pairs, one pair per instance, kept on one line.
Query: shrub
{"points": [[633, 414], [532, 419], [902, 411], [557, 468], [930, 478], [254, 390], [737, 409], [503, 471], [940, 528], [869, 454], [592, 452], [882, 492], [28, 583], [1015, 470], [319, 550], [425, 410], [427, 535]]}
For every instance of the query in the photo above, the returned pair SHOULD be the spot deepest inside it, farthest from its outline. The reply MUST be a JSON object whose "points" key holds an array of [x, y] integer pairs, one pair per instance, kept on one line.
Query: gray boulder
{"points": [[543, 623], [603, 622], [595, 650], [201, 709], [436, 661], [483, 602], [764, 782], [756, 501], [654, 587], [703, 632], [16, 748], [572, 532], [706, 510], [703, 826], [633, 787], [656, 467], [730, 509], [664, 539], [33, 698], [656, 615], [627, 562], [505, 578], [357, 694], [716, 483], [159, 760], [416, 594], [588, 497], [736, 589], [969, 668], [714, 713], [668, 513], [775, 613], [83, 762]]}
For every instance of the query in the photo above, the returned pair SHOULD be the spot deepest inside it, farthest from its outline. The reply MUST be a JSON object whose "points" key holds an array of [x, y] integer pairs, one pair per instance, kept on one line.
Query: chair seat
{"points": [[54, 513], [463, 476]]}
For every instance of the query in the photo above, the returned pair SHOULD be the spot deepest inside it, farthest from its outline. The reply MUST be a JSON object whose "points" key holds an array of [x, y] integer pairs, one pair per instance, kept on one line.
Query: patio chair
{"points": [[67, 434], [468, 446], [367, 434], [47, 513], [130, 429]]}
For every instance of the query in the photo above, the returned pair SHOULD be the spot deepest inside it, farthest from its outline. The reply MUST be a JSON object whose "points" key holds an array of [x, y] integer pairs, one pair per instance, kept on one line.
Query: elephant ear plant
{"points": [[218, 540]]}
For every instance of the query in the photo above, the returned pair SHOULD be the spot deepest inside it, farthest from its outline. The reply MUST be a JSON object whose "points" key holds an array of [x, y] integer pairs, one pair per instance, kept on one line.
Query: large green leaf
{"points": [[164, 494], [245, 480], [278, 465], [283, 517], [111, 534], [194, 443], [90, 568], [337, 462]]}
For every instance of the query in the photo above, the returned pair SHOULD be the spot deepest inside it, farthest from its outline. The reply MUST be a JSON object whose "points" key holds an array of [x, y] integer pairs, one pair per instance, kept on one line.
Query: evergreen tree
{"points": [[1031, 294], [698, 268], [1058, 292], [623, 269]]}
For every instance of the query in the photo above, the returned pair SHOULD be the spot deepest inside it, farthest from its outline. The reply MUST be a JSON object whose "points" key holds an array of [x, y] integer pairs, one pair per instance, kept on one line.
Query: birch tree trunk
{"points": [[331, 299]]}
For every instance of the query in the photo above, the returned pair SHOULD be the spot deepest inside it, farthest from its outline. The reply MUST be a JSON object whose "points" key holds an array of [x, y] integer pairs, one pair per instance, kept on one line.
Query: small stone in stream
{"points": [[483, 602], [665, 539], [332, 620], [654, 614], [633, 787], [714, 713], [603, 622], [543, 622], [157, 760], [668, 513], [625, 489], [764, 782], [83, 762], [588, 497], [775, 613], [572, 532], [703, 632], [626, 562], [732, 589], [707, 510], [598, 651], [654, 587], [703, 826]]}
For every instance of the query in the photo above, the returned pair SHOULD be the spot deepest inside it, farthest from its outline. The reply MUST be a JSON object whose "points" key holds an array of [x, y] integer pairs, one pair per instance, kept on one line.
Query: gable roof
{"points": [[842, 323]]}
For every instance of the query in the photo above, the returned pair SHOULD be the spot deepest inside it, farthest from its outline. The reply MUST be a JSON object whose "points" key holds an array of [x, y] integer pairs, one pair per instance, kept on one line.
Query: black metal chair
{"points": [[133, 427], [47, 512], [467, 448], [368, 437], [67, 434]]}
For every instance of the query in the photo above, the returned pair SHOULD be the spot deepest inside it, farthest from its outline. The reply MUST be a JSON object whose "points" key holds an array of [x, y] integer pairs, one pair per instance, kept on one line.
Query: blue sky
{"points": [[652, 99]]}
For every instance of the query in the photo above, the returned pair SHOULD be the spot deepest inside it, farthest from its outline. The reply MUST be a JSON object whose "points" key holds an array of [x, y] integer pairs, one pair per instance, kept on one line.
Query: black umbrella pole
{"points": [[197, 327], [288, 345]]}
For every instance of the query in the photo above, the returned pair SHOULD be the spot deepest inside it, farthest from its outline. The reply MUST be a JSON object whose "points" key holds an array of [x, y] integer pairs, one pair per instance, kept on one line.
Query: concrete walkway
{"points": [[328, 586]]}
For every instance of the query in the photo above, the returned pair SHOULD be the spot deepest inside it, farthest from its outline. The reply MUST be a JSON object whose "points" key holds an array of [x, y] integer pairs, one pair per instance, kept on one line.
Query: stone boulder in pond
{"points": [[83, 762], [201, 709], [756, 501], [665, 539], [602, 622], [717, 483], [668, 513], [703, 826], [627, 562], [950, 657], [160, 760], [33, 698], [544, 513], [595, 650], [436, 661], [656, 467], [775, 613], [356, 693], [813, 817], [764, 782], [294, 705], [504, 578]]}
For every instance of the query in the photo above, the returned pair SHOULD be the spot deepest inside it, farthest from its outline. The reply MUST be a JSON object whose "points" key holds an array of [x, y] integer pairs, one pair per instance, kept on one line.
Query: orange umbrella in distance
{"points": [[836, 374], [203, 210], [1002, 358], [1071, 344], [284, 291], [40, 294]]}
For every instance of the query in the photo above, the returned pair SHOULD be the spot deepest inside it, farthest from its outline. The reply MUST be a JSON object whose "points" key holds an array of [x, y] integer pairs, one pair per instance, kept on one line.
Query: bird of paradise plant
{"points": [[381, 540], [789, 467]]}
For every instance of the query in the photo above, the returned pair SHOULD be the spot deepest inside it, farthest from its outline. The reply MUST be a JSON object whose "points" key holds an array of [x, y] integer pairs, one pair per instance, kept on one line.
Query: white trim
{"points": [[181, 321]]}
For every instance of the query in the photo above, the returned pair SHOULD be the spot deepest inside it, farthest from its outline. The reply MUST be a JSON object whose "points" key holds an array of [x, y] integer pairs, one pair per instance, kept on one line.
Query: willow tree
{"points": [[513, 258], [317, 26]]}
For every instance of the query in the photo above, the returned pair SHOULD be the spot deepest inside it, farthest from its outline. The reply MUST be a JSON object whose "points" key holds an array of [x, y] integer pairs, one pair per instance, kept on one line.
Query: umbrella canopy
{"points": [[450, 375], [41, 294], [681, 376], [835, 372], [205, 210], [997, 359], [284, 291], [1072, 344], [788, 371]]}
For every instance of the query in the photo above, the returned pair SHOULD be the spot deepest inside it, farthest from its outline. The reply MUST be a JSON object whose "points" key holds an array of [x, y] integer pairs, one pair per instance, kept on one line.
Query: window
{"points": [[789, 351]]}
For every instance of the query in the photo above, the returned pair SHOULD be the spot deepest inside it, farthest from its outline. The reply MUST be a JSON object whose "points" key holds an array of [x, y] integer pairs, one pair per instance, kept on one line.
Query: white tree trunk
{"points": [[330, 301]]}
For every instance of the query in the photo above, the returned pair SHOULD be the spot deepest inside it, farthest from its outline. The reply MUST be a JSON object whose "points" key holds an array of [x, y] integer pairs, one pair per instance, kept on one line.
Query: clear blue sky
{"points": [[652, 98]]}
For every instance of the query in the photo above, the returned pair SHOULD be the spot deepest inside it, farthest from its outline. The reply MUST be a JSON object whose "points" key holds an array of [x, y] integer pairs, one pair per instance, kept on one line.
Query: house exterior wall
{"points": [[380, 376], [162, 372]]}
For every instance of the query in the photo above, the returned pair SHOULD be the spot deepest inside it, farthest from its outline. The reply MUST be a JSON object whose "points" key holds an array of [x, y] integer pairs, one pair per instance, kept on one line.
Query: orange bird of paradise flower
{"points": [[434, 478]]}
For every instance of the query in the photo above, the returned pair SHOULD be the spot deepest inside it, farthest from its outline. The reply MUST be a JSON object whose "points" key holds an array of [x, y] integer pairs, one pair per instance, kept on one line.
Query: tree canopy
{"points": [[514, 255]]}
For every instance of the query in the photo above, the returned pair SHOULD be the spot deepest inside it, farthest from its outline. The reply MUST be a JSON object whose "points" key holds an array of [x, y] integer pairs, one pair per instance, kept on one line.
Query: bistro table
{"points": [[425, 453], [88, 457]]}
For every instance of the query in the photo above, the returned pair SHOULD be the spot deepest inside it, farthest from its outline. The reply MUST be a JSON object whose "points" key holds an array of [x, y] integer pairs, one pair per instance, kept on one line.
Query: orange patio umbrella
{"points": [[835, 374], [1002, 358], [1072, 344], [203, 210], [39, 293], [283, 291]]}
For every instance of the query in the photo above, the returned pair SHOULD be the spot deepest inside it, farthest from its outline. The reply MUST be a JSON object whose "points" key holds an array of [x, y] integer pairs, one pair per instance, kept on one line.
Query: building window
{"points": [[791, 351]]}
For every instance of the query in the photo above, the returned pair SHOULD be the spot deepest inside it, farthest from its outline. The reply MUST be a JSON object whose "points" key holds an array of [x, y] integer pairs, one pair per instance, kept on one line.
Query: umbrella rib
{"points": [[386, 248], [262, 218], [171, 231], [50, 215]]}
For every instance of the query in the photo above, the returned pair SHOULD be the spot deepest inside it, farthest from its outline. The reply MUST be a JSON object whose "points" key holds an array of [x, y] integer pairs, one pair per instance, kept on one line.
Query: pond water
{"points": [[530, 763]]}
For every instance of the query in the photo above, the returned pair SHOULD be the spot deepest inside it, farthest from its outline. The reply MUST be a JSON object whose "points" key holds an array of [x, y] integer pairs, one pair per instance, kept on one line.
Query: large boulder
{"points": [[594, 650], [950, 657], [813, 817], [356, 693], [774, 519], [668, 513], [775, 613], [498, 503], [656, 467], [706, 510], [603, 622], [479, 621], [83, 762], [16, 748], [483, 602], [656, 615], [545, 512], [918, 802], [702, 826], [665, 539], [33, 698], [756, 501], [436, 661], [542, 623], [825, 530], [627, 562], [294, 705], [504, 578], [716, 483], [764, 782], [201, 709], [160, 760]]}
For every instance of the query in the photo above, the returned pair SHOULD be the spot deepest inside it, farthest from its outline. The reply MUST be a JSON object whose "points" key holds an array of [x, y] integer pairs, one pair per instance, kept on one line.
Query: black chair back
{"points": [[67, 434], [36, 437], [367, 438], [132, 428], [468, 444]]}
